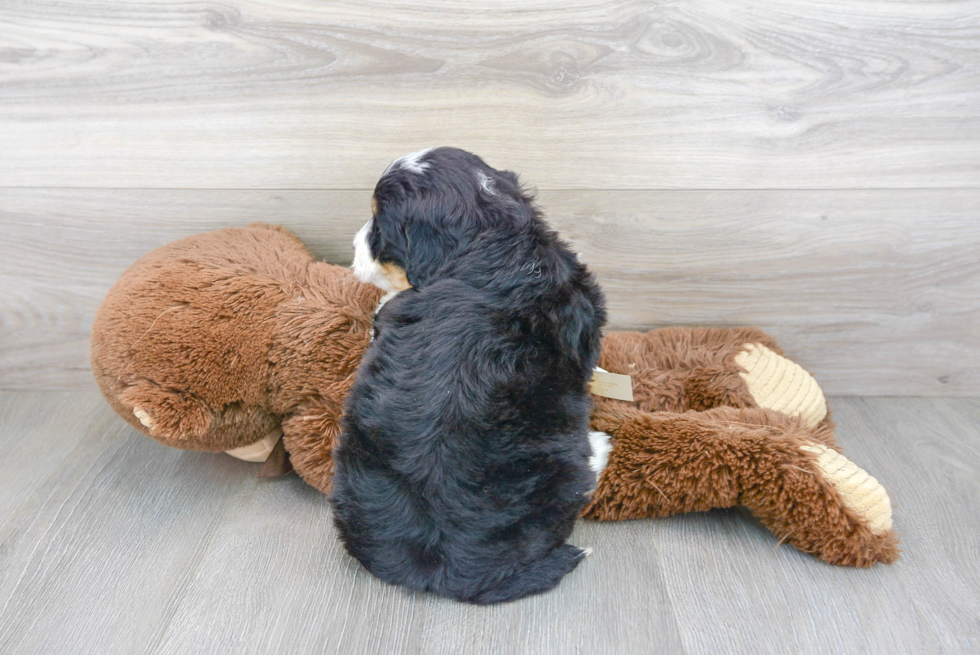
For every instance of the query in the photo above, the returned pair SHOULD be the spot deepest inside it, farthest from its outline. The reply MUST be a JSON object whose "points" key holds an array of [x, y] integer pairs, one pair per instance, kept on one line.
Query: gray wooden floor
{"points": [[112, 543]]}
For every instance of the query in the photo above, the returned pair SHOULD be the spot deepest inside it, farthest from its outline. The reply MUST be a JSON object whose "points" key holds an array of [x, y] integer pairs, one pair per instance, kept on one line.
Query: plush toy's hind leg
{"points": [[805, 493], [677, 369]]}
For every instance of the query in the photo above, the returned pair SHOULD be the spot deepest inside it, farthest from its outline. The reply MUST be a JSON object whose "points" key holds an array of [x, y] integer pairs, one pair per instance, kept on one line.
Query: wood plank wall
{"points": [[809, 167]]}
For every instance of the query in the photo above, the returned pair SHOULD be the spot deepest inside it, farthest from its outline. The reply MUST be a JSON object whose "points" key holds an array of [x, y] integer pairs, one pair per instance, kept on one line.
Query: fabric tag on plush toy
{"points": [[611, 385]]}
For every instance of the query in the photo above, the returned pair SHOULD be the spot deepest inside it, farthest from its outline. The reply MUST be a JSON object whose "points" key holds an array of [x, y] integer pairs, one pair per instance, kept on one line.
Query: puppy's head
{"points": [[428, 207]]}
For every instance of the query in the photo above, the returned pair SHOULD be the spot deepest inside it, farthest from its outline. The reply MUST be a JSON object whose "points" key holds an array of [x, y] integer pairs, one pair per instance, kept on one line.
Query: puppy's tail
{"points": [[533, 577]]}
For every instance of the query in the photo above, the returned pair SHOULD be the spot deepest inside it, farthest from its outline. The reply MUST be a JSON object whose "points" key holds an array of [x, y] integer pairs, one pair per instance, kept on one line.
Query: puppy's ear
{"points": [[511, 177], [416, 246], [428, 250], [580, 315], [517, 191], [580, 323]]}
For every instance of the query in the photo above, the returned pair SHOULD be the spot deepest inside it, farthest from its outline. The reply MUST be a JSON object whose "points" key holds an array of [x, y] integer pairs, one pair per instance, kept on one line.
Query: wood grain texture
{"points": [[128, 546], [929, 466], [93, 559], [610, 95], [876, 292], [42, 432]]}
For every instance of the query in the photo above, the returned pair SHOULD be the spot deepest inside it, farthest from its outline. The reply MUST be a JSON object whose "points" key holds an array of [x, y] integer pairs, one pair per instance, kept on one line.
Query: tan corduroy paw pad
{"points": [[781, 385], [144, 418], [258, 451], [862, 493]]}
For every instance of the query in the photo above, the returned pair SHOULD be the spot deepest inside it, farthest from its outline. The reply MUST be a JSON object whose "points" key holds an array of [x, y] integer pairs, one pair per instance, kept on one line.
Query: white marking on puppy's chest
{"points": [[601, 447], [385, 298]]}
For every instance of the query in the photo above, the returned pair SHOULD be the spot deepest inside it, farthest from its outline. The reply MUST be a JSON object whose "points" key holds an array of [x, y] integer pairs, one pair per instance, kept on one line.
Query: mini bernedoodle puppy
{"points": [[464, 458]]}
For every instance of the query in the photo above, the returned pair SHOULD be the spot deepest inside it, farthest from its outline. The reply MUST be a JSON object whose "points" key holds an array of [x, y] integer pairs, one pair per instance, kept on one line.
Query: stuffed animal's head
{"points": [[428, 208]]}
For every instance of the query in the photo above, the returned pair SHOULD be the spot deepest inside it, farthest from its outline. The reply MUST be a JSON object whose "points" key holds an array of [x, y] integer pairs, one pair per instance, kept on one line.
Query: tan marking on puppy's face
{"points": [[374, 206], [396, 276]]}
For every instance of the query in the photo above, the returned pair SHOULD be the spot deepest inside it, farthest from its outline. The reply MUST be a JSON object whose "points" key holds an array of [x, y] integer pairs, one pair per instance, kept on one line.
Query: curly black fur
{"points": [[464, 459]]}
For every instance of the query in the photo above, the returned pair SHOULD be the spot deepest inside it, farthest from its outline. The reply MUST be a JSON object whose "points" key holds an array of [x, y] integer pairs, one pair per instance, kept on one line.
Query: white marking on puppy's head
{"points": [[367, 269], [411, 162], [486, 184]]}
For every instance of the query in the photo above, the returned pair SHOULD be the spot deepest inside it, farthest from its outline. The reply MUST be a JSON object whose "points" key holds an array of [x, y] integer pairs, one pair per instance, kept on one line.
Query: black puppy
{"points": [[464, 458]]}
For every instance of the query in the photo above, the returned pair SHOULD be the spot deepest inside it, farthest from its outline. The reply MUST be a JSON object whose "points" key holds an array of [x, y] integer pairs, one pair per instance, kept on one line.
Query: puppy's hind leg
{"points": [[533, 577]]}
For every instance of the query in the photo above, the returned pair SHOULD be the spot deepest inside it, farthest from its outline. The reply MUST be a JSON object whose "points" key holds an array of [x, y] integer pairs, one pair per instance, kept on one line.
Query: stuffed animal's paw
{"points": [[167, 414], [144, 418], [862, 494], [780, 384], [174, 430]]}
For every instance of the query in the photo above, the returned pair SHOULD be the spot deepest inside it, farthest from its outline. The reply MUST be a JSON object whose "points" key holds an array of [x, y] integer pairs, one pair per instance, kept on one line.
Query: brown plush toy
{"points": [[229, 340]]}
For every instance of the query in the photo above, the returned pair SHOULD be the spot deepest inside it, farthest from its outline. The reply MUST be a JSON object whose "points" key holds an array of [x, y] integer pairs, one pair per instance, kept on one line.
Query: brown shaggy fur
{"points": [[225, 336], [669, 463]]}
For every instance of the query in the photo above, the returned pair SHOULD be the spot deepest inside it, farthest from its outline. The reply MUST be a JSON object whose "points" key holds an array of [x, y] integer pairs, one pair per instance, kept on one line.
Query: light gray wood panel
{"points": [[935, 499], [876, 292], [278, 547], [252, 591], [873, 292], [614, 602], [93, 560], [136, 547], [90, 236], [735, 590], [738, 592], [626, 94], [132, 547], [43, 430]]}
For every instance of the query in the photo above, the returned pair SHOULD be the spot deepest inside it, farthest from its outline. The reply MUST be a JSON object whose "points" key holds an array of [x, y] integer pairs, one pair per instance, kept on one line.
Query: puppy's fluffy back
{"points": [[464, 459]]}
